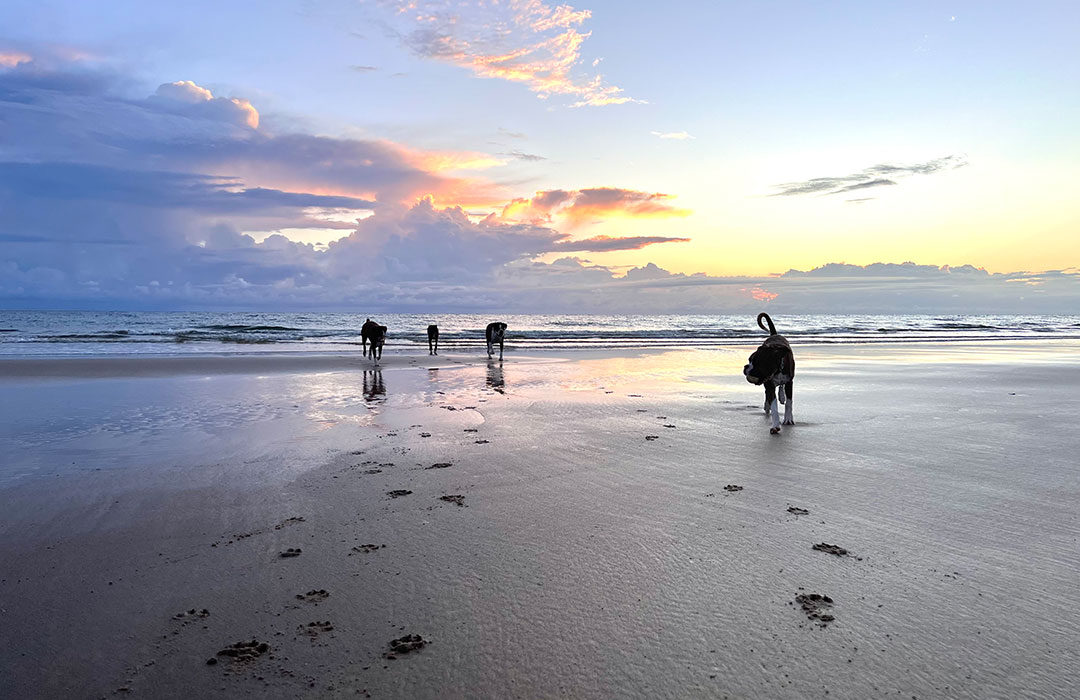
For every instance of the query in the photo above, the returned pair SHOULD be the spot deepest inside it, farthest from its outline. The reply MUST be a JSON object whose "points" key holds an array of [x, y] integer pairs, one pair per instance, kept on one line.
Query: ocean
{"points": [[92, 333]]}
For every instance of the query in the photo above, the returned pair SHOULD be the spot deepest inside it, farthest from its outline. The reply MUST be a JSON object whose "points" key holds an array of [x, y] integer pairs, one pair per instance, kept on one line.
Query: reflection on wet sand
{"points": [[374, 389], [495, 376]]}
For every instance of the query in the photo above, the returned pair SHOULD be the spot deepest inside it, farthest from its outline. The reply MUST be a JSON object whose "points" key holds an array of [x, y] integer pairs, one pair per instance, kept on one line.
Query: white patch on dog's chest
{"points": [[780, 378]]}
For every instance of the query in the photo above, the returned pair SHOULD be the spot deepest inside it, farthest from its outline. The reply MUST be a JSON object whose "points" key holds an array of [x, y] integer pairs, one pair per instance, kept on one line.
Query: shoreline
{"points": [[136, 365]]}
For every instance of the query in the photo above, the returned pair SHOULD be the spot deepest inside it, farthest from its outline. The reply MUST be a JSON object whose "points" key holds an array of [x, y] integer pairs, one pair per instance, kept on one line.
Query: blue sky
{"points": [[221, 154]]}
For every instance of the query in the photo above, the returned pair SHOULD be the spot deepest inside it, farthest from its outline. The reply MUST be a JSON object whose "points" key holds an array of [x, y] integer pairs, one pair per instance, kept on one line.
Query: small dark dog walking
{"points": [[375, 334], [494, 334], [433, 339], [773, 365]]}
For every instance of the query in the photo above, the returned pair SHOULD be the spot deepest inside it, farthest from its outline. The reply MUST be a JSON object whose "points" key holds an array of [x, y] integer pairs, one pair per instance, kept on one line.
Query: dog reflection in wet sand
{"points": [[374, 389], [495, 376]]}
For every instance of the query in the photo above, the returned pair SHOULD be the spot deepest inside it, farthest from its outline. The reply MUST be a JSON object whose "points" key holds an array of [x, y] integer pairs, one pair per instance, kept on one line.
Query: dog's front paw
{"points": [[774, 431], [789, 421]]}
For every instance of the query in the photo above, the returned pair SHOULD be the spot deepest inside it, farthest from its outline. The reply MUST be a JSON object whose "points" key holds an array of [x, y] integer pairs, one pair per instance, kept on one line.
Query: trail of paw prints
{"points": [[181, 621]]}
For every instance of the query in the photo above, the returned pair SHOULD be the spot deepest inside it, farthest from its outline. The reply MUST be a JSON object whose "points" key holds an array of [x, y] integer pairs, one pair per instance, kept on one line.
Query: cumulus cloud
{"points": [[98, 235], [186, 96], [650, 271], [109, 198], [578, 206], [882, 174], [83, 116], [523, 41]]}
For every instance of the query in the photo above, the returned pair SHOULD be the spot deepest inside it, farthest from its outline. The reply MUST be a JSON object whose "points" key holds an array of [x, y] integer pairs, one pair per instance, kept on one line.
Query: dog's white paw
{"points": [[789, 421], [774, 431]]}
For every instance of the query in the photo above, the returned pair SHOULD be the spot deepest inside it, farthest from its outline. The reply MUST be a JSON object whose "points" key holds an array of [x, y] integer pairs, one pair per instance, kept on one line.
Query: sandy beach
{"points": [[573, 525]]}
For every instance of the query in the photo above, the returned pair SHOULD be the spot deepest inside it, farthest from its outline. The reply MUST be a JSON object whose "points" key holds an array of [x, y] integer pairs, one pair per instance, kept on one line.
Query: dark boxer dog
{"points": [[367, 331], [773, 365], [376, 334], [433, 339], [494, 333]]}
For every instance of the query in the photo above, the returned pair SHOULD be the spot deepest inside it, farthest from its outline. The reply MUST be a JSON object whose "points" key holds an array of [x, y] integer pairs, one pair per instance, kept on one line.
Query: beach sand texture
{"points": [[552, 526]]}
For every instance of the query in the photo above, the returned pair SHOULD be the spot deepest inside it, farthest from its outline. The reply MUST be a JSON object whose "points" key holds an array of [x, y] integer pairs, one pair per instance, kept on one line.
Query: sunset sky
{"points": [[522, 155]]}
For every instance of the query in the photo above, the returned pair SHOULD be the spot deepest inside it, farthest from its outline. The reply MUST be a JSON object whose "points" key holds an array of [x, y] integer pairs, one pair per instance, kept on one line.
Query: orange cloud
{"points": [[444, 161], [522, 41], [10, 59], [579, 206], [762, 294]]}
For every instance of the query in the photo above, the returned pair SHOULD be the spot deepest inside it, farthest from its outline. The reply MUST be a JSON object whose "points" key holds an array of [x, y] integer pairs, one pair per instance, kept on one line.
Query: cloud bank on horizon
{"points": [[155, 200], [177, 198]]}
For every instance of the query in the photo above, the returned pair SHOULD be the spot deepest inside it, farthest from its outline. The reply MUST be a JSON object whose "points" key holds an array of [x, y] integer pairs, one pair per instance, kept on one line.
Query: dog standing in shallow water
{"points": [[773, 365], [433, 339], [494, 334], [376, 334]]}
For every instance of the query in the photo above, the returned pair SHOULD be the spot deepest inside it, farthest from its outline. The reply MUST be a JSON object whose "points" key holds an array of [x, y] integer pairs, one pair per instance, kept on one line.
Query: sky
{"points": [[518, 155]]}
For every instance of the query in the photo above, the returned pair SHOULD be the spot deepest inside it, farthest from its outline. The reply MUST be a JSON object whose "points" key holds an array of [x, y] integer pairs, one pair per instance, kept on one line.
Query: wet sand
{"points": [[584, 525]]}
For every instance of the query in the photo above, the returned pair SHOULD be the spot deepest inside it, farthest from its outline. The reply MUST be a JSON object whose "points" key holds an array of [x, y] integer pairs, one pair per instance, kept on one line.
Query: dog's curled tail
{"points": [[765, 316]]}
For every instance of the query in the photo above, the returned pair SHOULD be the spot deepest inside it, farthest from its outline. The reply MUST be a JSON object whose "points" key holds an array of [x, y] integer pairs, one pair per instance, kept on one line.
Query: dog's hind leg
{"points": [[788, 418]]}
